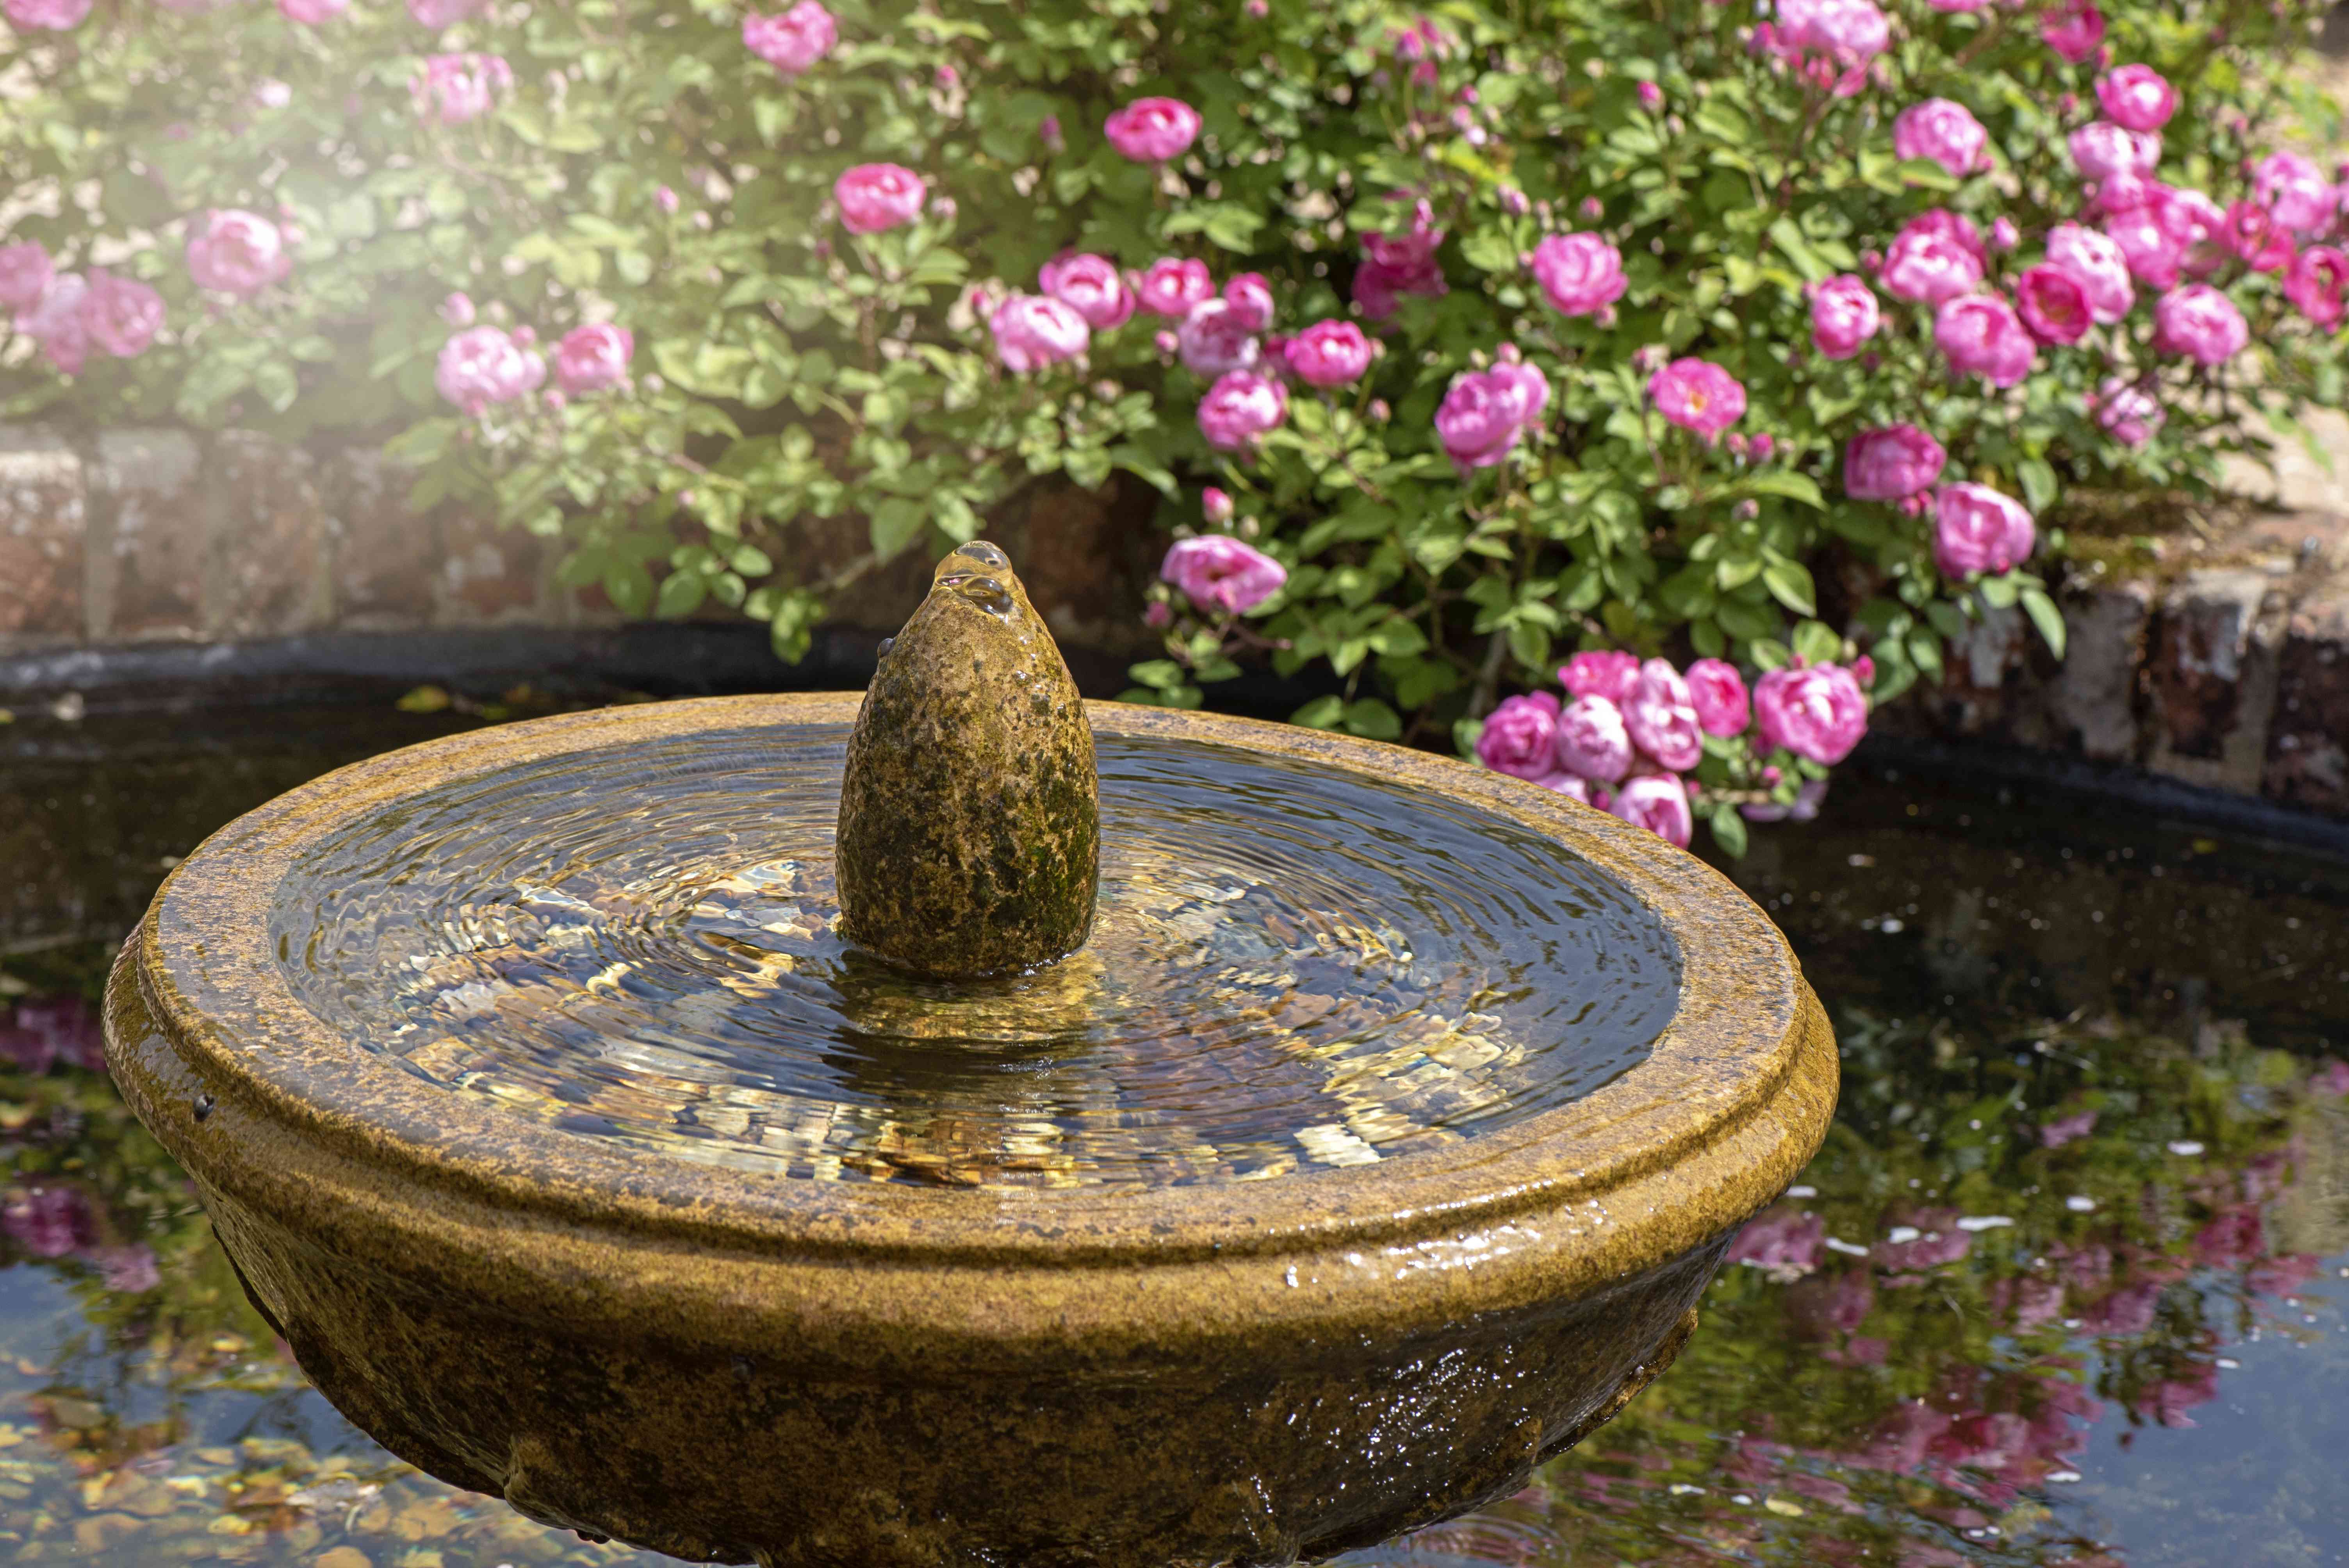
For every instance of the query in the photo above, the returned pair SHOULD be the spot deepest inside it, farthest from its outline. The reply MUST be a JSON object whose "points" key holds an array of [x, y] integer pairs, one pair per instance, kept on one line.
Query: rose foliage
{"points": [[1757, 348]]}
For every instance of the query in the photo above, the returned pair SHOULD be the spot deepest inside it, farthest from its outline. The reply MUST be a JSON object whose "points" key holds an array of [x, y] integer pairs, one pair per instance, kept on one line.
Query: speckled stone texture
{"points": [[969, 812], [729, 1365]]}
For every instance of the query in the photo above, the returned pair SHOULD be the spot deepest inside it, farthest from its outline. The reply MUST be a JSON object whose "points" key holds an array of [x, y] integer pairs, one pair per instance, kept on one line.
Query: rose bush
{"points": [[1666, 329]]}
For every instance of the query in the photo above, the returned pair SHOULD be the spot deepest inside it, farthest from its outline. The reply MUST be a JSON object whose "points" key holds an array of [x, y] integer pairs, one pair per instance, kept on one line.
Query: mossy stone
{"points": [[969, 838]]}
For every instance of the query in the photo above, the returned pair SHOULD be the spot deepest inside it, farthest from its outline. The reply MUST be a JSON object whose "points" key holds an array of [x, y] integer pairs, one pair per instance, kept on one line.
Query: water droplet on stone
{"points": [[886, 644], [987, 594], [980, 549]]}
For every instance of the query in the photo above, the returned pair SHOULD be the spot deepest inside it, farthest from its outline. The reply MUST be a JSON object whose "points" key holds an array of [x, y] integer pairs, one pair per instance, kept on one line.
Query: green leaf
{"points": [[1817, 641], [1373, 720], [681, 594], [1321, 712], [1728, 830], [1789, 485], [1789, 582], [896, 523], [2039, 487], [2046, 618]]}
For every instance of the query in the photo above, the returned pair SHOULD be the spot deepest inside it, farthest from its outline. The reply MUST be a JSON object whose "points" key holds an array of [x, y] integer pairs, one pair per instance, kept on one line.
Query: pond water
{"points": [[2065, 1286]]}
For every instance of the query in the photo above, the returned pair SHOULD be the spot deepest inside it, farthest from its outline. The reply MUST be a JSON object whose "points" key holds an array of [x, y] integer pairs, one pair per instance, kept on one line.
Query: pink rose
{"points": [[1891, 464], [2136, 98], [1582, 274], [1482, 415], [1215, 506], [1844, 315], [312, 13], [1928, 264], [2251, 232], [2314, 284], [1239, 408], [2200, 323], [1593, 742], [453, 88], [2127, 412], [1153, 129], [2004, 234], [1659, 804], [1032, 330], [457, 309], [1816, 711], [1520, 738], [1608, 673], [1574, 788], [593, 357], [484, 365], [235, 252], [1717, 692], [121, 316], [1222, 574], [1250, 298], [1943, 131], [2199, 225], [1215, 339], [48, 1222], [1397, 264], [2103, 150], [877, 196], [25, 274], [2073, 29], [1975, 529], [1836, 39], [1698, 395], [2097, 265], [2052, 304], [1982, 336], [1531, 385], [792, 41], [52, 15], [1329, 354], [1662, 718], [439, 14], [1172, 286], [2288, 186], [1090, 286], [56, 322]]}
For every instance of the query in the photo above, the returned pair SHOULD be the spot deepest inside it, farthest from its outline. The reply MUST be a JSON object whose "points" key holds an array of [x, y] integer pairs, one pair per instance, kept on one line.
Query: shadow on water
{"points": [[2062, 1288]]}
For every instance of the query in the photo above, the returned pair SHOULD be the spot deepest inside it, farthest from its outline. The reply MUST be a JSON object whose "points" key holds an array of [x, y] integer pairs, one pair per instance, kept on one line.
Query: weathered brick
{"points": [[385, 555], [44, 527], [2091, 702], [2308, 754], [2212, 674], [270, 577], [490, 575], [151, 531]]}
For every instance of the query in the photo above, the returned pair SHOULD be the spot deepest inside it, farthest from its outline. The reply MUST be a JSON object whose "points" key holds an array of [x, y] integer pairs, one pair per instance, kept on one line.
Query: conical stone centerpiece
{"points": [[969, 818], [962, 1127]]}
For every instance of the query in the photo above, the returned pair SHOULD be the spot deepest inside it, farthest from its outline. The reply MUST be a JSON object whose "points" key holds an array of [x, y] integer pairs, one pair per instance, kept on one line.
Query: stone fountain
{"points": [[1285, 1141]]}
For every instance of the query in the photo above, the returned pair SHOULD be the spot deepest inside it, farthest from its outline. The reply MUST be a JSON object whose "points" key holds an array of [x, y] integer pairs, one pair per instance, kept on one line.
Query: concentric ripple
{"points": [[1292, 966]]}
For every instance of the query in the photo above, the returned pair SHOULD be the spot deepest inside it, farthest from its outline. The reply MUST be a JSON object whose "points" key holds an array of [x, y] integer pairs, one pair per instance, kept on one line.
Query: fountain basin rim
{"points": [[279, 1081]]}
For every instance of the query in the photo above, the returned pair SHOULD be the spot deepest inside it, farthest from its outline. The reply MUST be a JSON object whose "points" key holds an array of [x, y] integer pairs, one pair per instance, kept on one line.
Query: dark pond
{"points": [[2064, 1289]]}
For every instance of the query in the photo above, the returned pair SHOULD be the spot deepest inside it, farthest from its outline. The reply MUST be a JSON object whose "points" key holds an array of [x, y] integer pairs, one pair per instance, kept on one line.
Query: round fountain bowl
{"points": [[1378, 1145]]}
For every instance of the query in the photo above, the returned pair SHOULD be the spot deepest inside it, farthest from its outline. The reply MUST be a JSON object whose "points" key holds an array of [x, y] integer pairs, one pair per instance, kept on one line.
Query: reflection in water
{"points": [[2060, 1289], [1290, 966]]}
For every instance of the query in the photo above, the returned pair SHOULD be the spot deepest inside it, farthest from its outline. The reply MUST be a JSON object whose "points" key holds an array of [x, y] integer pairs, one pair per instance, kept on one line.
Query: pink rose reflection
{"points": [[792, 41], [2067, 1130], [48, 1222], [874, 197], [1782, 1240], [1222, 574], [58, 1031], [1153, 129], [592, 358], [1520, 737]]}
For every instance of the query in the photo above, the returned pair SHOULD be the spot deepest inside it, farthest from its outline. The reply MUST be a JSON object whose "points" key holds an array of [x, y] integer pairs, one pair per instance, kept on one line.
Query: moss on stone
{"points": [[969, 816]]}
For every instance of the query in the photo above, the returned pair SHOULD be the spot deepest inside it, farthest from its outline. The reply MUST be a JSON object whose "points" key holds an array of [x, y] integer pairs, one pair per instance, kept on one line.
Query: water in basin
{"points": [[1314, 968]]}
